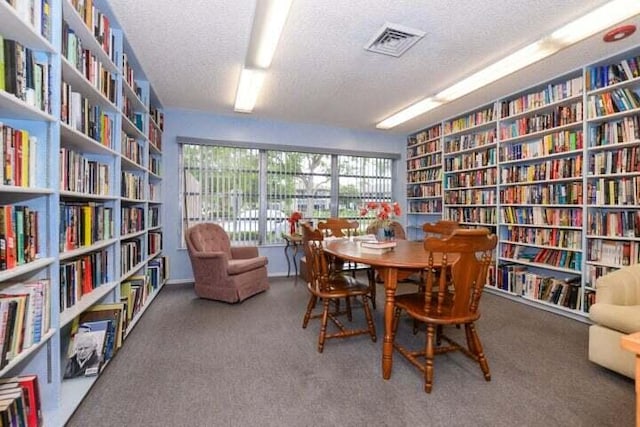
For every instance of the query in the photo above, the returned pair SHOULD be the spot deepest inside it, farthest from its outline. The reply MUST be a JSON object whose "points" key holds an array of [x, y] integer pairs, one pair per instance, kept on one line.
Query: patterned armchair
{"points": [[221, 271]]}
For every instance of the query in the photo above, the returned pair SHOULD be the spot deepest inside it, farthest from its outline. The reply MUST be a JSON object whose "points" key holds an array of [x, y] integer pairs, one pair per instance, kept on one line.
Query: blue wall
{"points": [[247, 129]]}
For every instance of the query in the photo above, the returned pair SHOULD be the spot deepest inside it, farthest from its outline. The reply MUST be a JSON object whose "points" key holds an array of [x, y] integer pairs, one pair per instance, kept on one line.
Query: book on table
{"points": [[374, 244]]}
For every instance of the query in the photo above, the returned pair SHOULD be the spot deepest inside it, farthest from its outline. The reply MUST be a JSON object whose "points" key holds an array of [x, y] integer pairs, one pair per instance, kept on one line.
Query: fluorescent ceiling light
{"points": [[416, 109], [248, 89], [268, 22], [586, 26]]}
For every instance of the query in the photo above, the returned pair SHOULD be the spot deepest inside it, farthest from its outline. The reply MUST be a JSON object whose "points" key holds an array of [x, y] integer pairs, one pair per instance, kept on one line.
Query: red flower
{"points": [[384, 210], [295, 217]]}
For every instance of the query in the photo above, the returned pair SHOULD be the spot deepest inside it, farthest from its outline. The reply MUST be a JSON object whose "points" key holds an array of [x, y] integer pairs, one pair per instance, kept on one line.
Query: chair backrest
{"points": [[441, 228], [207, 237], [396, 227], [466, 255], [339, 227], [317, 266]]}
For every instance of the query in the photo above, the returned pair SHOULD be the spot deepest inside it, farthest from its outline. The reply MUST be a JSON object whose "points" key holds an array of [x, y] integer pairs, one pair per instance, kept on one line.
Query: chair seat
{"points": [[413, 304], [239, 266], [340, 286]]}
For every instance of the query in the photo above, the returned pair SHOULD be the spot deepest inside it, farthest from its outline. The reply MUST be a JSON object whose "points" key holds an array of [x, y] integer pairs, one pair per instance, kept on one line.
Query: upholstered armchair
{"points": [[221, 271], [615, 314]]}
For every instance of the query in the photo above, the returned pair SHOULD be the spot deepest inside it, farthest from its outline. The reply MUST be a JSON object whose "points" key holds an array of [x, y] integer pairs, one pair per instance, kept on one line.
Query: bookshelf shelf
{"points": [[69, 185]]}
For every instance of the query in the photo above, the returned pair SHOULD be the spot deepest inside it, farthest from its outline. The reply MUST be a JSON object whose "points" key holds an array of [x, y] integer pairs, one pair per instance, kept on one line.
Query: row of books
{"points": [[553, 257], [519, 280], [131, 149], [424, 175], [18, 151], [425, 206], [560, 116], [614, 191], [23, 75], [558, 142], [81, 276], [87, 63], [83, 224], [614, 223], [426, 135], [20, 401], [470, 140], [567, 239], [81, 115], [476, 215], [624, 160], [616, 101], [425, 190], [155, 165], [24, 317], [614, 253], [475, 159], [132, 220], [569, 167], [98, 23], [132, 186], [593, 272], [18, 236], [470, 120], [471, 197], [425, 162], [82, 175], [130, 254], [423, 149], [605, 75], [471, 178], [154, 216], [129, 78], [545, 96], [538, 215], [158, 117], [154, 242], [626, 129], [566, 193]]}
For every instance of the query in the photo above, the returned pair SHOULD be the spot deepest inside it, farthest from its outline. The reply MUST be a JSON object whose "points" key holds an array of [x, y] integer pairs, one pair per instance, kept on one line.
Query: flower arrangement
{"points": [[385, 212], [293, 221]]}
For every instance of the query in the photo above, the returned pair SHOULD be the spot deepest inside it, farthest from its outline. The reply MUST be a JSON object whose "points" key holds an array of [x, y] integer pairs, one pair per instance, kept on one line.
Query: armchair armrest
{"points": [[244, 252], [621, 287], [209, 255]]}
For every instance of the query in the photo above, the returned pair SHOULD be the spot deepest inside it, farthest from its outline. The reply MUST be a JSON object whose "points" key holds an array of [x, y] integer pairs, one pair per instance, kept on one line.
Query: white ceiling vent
{"points": [[394, 39]]}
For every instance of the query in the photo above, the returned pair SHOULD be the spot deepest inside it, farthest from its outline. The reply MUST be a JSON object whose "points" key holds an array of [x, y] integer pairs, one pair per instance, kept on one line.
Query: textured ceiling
{"points": [[192, 52]]}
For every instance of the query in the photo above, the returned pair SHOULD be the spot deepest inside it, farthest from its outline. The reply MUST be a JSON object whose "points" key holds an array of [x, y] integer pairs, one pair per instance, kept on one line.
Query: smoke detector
{"points": [[393, 39]]}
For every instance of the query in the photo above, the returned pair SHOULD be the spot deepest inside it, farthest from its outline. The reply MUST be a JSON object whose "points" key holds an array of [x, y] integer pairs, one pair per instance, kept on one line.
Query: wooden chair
{"points": [[329, 286], [449, 302], [443, 227], [341, 227]]}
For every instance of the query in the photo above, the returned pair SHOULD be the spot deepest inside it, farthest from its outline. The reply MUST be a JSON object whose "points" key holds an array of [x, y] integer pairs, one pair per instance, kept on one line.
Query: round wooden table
{"points": [[406, 258]]}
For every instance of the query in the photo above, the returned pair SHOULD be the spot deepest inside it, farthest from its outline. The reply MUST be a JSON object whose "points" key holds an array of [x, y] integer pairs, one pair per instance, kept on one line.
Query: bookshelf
{"points": [[424, 179], [81, 184], [554, 169]]}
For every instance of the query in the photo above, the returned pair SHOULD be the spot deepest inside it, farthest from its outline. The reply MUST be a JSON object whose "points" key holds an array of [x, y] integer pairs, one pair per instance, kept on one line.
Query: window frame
{"points": [[262, 172]]}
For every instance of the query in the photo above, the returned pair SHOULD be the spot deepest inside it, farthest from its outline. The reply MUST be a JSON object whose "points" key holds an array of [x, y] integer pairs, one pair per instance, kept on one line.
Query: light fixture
{"points": [[583, 27], [268, 22], [248, 89]]}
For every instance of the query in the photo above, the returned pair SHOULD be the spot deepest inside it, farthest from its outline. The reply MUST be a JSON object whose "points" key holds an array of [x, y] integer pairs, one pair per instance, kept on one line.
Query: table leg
{"points": [[286, 255], [390, 276], [296, 248]]}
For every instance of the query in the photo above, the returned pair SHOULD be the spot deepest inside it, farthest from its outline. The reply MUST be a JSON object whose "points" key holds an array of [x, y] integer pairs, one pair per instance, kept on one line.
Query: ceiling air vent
{"points": [[394, 39]]}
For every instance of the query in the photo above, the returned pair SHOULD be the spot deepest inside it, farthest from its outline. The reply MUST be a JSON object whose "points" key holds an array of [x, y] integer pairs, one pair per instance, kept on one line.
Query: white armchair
{"points": [[616, 313]]}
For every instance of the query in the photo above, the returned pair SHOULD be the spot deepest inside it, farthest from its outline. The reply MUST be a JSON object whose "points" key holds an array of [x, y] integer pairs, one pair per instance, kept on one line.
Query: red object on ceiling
{"points": [[619, 33]]}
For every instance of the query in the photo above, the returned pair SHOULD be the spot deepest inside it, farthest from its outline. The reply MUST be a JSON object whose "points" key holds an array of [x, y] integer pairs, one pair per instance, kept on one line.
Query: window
{"points": [[251, 192]]}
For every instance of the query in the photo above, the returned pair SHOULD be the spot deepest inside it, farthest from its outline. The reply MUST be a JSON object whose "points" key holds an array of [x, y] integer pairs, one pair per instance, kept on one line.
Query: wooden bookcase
{"points": [[87, 184], [554, 169]]}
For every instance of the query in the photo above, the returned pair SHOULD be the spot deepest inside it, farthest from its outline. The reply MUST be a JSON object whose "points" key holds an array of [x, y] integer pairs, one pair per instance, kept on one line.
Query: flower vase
{"points": [[384, 234]]}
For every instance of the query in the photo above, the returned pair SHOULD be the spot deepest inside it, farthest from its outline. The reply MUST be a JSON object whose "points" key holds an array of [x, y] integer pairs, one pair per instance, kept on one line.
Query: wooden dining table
{"points": [[405, 259]]}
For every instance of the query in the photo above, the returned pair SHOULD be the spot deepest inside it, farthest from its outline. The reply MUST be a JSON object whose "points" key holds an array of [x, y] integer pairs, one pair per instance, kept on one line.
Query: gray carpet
{"points": [[204, 363]]}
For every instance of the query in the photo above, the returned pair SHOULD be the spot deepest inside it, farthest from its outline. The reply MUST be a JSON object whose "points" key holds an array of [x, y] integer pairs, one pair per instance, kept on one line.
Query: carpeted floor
{"points": [[203, 363]]}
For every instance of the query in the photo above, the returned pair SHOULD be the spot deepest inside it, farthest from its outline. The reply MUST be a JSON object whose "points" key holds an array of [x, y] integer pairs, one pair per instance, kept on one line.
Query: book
{"points": [[31, 393], [378, 244], [84, 354]]}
